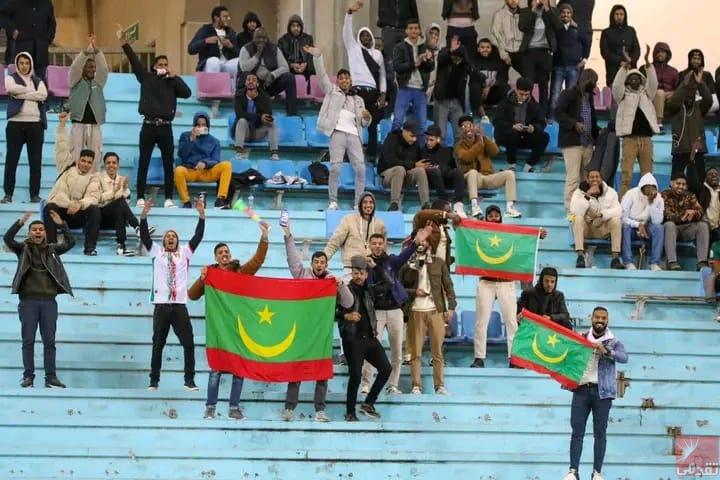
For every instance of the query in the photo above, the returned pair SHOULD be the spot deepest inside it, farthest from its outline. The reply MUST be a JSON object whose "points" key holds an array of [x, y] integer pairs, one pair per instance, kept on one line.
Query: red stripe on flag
{"points": [[549, 324], [499, 227], [269, 288], [308, 370], [528, 365], [485, 272]]}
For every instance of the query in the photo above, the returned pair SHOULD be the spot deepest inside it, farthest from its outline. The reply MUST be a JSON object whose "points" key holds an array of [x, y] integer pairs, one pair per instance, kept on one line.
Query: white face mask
{"points": [[161, 72]]}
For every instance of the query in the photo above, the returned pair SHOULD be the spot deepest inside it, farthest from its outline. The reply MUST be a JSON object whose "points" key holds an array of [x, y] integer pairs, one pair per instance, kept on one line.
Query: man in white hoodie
{"points": [[596, 213], [642, 216], [367, 69]]}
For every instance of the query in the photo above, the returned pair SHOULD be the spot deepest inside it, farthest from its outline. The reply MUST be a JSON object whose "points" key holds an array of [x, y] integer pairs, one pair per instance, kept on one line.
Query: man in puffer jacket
{"points": [[642, 216]]}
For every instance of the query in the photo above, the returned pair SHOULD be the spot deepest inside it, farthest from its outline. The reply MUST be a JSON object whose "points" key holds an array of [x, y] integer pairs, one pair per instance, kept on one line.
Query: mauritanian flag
{"points": [[269, 329], [546, 347], [496, 250]]}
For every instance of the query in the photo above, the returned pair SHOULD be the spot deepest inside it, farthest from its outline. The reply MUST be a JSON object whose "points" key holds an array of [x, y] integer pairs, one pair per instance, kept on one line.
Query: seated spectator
{"points": [[253, 119], [442, 172], [684, 221], [545, 299], [199, 155], [251, 22], [400, 165], [642, 216], [216, 44], [596, 213], [474, 154], [687, 109], [266, 61], [520, 123], [577, 129], [636, 120], [569, 57], [292, 46], [696, 65], [342, 117], [453, 70], [708, 194], [618, 41], [667, 77], [488, 80]]}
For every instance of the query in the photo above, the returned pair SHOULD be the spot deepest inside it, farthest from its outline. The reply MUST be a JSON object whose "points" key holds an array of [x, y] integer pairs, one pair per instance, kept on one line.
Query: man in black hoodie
{"points": [[250, 23], [488, 80], [453, 70], [617, 40], [400, 165], [545, 299], [443, 171], [393, 16], [696, 64], [291, 44]]}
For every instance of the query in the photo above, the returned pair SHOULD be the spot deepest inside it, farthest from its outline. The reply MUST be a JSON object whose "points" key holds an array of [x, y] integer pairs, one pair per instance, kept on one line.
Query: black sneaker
{"points": [[701, 265], [369, 410], [154, 385], [27, 382], [190, 385], [236, 414], [394, 207], [187, 205], [222, 204], [580, 262], [351, 417], [342, 360], [6, 199], [35, 199], [617, 264], [478, 363], [674, 266], [53, 382], [91, 252]]}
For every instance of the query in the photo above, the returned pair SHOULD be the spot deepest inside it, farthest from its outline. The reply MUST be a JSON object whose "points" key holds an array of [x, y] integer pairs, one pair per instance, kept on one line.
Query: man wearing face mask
{"points": [[267, 62], [545, 299], [597, 389]]}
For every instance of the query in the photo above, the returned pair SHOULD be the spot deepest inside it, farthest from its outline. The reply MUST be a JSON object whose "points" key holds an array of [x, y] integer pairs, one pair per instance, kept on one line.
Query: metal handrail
{"points": [[117, 61]]}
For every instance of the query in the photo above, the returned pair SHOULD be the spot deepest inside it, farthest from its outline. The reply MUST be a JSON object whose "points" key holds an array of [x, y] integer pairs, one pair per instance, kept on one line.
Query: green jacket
{"points": [[82, 91]]}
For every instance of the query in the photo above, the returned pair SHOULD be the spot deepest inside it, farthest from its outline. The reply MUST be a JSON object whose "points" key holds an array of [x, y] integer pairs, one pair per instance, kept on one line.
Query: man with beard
{"points": [[597, 389], [667, 79], [545, 299], [488, 79], [708, 194], [684, 220], [617, 41]]}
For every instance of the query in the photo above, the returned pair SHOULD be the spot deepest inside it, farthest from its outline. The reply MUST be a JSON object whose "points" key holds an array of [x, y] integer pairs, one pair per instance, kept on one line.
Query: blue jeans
{"points": [[34, 313], [569, 75], [586, 399], [405, 97], [214, 387], [657, 242]]}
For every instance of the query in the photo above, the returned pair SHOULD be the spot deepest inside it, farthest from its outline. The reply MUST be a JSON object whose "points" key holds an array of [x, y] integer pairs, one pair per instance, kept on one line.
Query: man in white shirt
{"points": [[642, 216], [216, 44]]}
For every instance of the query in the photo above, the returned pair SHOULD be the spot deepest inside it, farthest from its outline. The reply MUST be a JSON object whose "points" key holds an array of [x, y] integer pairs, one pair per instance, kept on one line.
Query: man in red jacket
{"points": [[667, 78]]}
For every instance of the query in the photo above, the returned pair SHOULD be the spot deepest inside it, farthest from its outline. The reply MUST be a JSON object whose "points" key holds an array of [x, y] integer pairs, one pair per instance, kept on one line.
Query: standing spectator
{"points": [[667, 77], [342, 117], [520, 123], [708, 195], [684, 221], [216, 44], [687, 109], [596, 213], [636, 120], [87, 78], [696, 64], [578, 129], [538, 22], [461, 16], [413, 63], [39, 278], [437, 216], [367, 69], [474, 154], [171, 263], [401, 166], [26, 124], [442, 172], [224, 261], [582, 15], [292, 45], [253, 119], [453, 71], [250, 23], [393, 16], [545, 299], [568, 59], [617, 42], [432, 43], [159, 91], [488, 80], [30, 27], [266, 61], [506, 35], [598, 388], [642, 216]]}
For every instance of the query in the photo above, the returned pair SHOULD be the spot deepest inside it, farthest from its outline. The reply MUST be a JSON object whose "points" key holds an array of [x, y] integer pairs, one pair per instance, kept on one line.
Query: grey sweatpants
{"points": [[448, 110], [243, 133], [341, 143], [697, 231]]}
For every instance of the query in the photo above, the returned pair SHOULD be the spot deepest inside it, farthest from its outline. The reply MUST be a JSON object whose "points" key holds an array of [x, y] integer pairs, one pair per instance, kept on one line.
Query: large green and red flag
{"points": [[546, 347], [269, 329], [496, 250]]}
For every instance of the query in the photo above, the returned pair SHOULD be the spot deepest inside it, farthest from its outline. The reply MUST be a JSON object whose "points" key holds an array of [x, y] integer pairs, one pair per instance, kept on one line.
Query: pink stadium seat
{"points": [[213, 86], [315, 91], [301, 87], [3, 92], [602, 99], [11, 69], [607, 97], [58, 83], [536, 92]]}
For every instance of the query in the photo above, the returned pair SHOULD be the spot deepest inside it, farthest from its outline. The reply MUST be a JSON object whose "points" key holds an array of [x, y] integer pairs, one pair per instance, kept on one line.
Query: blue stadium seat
{"points": [[496, 328], [240, 166], [155, 176], [553, 131], [347, 176], [291, 132], [315, 138], [304, 172], [394, 222], [384, 128]]}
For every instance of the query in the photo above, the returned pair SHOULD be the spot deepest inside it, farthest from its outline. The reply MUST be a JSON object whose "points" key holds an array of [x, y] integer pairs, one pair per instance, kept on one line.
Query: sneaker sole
{"points": [[191, 389], [153, 388], [53, 386], [371, 415]]}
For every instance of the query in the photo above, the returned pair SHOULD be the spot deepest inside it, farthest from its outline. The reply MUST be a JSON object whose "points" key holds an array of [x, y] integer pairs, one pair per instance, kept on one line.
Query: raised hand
{"points": [[647, 54], [119, 34], [314, 51], [357, 5], [92, 39], [26, 216], [55, 216], [454, 43], [146, 209], [200, 207], [423, 233]]}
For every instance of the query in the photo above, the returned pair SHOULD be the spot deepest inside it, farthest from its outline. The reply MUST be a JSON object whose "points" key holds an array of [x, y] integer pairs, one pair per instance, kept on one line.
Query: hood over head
{"points": [[366, 29], [362, 197], [201, 114], [547, 271], [647, 179], [251, 17], [614, 9], [663, 46], [635, 71], [29, 57], [693, 52], [296, 19], [587, 75]]}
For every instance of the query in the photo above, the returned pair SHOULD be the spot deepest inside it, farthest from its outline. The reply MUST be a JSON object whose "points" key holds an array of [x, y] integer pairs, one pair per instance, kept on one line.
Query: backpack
{"points": [[248, 178], [319, 173]]}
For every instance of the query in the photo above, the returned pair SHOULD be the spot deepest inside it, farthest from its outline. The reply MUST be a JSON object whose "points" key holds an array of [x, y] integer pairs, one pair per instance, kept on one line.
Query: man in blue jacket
{"points": [[597, 389], [216, 45], [199, 155]]}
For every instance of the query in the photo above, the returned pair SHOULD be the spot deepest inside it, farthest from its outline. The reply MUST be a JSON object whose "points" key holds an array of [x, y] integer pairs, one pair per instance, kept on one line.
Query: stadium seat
{"points": [[553, 130], [3, 92], [301, 86], [304, 172], [496, 329], [239, 166], [213, 86], [231, 135], [58, 82], [314, 137], [384, 128], [291, 132]]}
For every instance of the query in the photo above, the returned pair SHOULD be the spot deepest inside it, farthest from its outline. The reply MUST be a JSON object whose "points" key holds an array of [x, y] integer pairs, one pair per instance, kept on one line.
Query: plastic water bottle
{"points": [[251, 201]]}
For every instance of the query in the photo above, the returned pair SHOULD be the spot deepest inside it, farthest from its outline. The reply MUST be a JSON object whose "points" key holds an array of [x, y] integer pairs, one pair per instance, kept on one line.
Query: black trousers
{"points": [[512, 141], [495, 95], [32, 135], [370, 97], [117, 215], [36, 313], [173, 315], [357, 350], [439, 181], [88, 219], [537, 66], [391, 36], [285, 83], [162, 136], [681, 162]]}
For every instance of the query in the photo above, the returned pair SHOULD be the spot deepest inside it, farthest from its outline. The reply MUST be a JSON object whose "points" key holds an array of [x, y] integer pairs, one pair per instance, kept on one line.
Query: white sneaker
{"points": [[476, 211], [571, 475], [513, 212], [655, 268], [459, 209], [441, 391], [630, 266], [288, 415], [365, 389], [140, 203], [242, 154], [333, 206], [484, 119], [274, 156], [169, 203], [597, 476], [415, 391], [393, 390], [321, 416], [528, 168]]}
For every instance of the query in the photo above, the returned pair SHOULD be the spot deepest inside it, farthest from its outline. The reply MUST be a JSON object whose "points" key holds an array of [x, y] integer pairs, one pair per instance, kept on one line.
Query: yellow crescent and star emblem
{"points": [[494, 243], [552, 340], [266, 351]]}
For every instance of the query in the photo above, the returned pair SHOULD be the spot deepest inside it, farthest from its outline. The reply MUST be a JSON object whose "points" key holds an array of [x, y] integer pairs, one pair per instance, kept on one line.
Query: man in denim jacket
{"points": [[595, 394]]}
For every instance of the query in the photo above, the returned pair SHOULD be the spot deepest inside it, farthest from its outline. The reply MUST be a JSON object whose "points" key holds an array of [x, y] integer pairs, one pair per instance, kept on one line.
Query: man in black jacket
{"points": [[291, 45], [442, 171], [520, 123], [545, 299], [400, 165], [488, 80], [358, 333], [216, 45], [159, 91], [30, 27], [578, 129], [253, 119], [582, 14], [392, 19], [250, 23], [453, 70], [568, 59], [708, 195], [39, 278], [616, 41]]}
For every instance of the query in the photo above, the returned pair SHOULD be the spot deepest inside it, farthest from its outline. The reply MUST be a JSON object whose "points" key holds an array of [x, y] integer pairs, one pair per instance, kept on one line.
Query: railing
{"points": [[117, 61]]}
